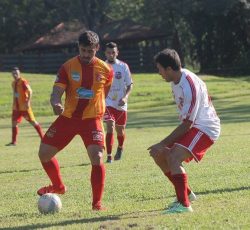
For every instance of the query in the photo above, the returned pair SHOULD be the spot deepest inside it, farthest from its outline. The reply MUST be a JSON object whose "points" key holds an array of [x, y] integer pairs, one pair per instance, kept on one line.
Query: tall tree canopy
{"points": [[213, 33]]}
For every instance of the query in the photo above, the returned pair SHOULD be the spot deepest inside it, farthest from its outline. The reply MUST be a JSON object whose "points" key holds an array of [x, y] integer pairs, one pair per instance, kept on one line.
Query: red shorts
{"points": [[118, 116], [196, 142], [28, 115], [63, 129]]}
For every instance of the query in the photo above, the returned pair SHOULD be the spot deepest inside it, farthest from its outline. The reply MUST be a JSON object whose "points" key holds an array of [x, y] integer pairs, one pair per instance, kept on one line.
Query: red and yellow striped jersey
{"points": [[85, 86], [21, 91]]}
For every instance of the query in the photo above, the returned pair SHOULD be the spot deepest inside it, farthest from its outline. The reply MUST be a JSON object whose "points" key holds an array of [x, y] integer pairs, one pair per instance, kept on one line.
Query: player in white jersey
{"points": [[199, 128], [116, 102]]}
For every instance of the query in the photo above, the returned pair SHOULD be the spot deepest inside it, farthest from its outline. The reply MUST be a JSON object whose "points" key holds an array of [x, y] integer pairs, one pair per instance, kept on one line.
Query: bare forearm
{"points": [[177, 133], [56, 95], [56, 101]]}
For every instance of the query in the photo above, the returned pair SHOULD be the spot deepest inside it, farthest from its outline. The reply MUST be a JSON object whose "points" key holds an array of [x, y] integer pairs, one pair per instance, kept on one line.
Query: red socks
{"points": [[121, 140], [109, 142], [39, 130], [97, 182], [169, 176], [14, 134], [180, 184], [53, 171]]}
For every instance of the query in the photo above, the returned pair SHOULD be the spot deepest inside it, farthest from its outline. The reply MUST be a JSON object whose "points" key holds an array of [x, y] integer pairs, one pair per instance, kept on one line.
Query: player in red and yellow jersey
{"points": [[21, 105], [86, 80]]}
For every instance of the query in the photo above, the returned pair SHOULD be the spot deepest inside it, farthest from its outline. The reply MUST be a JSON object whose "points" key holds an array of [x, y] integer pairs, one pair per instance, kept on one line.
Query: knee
{"points": [[173, 159], [110, 128], [46, 153]]}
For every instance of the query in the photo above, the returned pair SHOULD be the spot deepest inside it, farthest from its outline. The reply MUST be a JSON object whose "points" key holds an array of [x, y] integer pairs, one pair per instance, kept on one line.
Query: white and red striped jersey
{"points": [[194, 104], [122, 79]]}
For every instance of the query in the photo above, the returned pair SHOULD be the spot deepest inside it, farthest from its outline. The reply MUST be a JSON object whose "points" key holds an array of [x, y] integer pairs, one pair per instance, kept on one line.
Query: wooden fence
{"points": [[139, 60]]}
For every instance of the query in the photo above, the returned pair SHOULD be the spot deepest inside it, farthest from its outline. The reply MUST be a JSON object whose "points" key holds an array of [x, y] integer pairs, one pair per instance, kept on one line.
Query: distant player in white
{"points": [[198, 130], [116, 101]]}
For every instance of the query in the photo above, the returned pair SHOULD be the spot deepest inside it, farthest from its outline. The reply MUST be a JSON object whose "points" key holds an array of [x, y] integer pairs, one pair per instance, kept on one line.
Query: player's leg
{"points": [[121, 120], [193, 145], [110, 127], [92, 135], [51, 166], [59, 134], [15, 119], [29, 116], [98, 172], [110, 124], [178, 175]]}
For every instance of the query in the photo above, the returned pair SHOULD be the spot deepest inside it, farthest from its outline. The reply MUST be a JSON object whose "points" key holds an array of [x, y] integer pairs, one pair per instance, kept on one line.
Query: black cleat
{"points": [[118, 154], [11, 144]]}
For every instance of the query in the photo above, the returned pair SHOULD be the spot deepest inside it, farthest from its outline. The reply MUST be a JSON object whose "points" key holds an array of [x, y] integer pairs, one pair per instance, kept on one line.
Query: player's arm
{"points": [[56, 99], [124, 100], [109, 81], [28, 93], [177, 133], [171, 138]]}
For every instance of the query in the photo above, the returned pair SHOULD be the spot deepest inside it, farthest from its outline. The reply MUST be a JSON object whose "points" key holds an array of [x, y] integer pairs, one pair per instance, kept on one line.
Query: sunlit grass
{"points": [[136, 191]]}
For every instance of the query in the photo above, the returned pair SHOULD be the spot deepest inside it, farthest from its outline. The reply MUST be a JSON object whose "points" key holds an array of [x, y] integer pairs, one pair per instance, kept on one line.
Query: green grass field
{"points": [[136, 191]]}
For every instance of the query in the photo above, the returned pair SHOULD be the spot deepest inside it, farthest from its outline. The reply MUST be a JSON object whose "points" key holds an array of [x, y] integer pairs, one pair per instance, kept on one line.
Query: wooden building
{"points": [[137, 44]]}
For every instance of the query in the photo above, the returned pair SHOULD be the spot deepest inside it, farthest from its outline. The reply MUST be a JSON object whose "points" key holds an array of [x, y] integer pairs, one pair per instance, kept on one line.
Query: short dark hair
{"points": [[111, 45], [168, 58], [88, 38]]}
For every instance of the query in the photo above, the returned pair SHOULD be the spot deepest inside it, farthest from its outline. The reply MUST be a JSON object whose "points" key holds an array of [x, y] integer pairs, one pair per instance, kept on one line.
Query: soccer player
{"points": [[22, 105], [199, 128], [116, 102], [86, 80]]}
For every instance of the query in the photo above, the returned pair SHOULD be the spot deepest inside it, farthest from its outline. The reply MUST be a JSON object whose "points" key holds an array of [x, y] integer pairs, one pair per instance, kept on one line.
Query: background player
{"points": [[21, 105], [86, 81], [116, 102], [199, 127]]}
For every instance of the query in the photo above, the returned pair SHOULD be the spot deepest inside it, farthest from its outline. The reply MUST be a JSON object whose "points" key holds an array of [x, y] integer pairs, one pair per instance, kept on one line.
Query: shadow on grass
{"points": [[130, 215], [165, 116], [33, 170], [216, 191]]}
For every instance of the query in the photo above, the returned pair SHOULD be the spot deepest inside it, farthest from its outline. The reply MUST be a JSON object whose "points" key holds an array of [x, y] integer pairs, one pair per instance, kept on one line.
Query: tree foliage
{"points": [[213, 33]]}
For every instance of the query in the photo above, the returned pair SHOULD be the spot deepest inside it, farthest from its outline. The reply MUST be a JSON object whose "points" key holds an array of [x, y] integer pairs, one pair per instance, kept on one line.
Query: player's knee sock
{"points": [[180, 184], [39, 130], [121, 140], [52, 169], [14, 134], [109, 142], [97, 182], [169, 176]]}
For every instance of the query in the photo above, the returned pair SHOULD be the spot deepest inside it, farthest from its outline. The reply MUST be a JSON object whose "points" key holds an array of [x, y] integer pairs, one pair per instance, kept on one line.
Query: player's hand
{"points": [[123, 101], [57, 108], [156, 149]]}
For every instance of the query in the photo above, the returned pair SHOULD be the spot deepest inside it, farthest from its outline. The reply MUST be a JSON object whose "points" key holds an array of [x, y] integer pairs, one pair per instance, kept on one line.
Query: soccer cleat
{"points": [[109, 159], [178, 208], [118, 154], [192, 197], [51, 189], [99, 208], [11, 144]]}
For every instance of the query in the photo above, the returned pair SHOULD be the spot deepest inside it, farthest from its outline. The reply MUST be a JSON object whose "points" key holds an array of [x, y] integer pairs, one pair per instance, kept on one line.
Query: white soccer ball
{"points": [[49, 203]]}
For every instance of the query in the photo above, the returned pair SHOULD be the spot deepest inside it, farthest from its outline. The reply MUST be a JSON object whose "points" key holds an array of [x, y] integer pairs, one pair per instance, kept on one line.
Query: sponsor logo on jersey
{"points": [[118, 75], [84, 93], [97, 135], [98, 78], [51, 132], [75, 76]]}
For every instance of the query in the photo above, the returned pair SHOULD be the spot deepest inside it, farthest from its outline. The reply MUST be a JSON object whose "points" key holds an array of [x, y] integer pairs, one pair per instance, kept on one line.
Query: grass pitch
{"points": [[136, 191]]}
